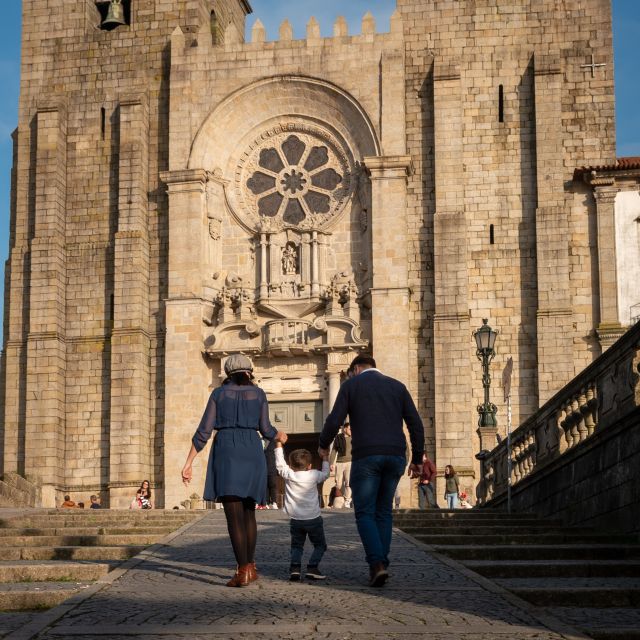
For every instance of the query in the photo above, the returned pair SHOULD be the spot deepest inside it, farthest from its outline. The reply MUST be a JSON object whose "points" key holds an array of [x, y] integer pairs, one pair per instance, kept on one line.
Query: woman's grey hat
{"points": [[237, 363]]}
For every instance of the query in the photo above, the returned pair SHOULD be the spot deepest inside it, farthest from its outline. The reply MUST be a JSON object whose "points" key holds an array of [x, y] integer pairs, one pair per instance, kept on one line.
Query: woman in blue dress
{"points": [[237, 470]]}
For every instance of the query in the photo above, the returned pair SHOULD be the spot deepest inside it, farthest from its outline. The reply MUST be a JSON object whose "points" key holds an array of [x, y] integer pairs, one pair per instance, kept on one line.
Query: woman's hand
{"points": [[281, 436], [187, 474]]}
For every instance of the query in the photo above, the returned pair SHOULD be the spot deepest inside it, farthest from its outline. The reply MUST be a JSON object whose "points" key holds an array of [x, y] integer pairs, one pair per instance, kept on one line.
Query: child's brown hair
{"points": [[300, 459]]}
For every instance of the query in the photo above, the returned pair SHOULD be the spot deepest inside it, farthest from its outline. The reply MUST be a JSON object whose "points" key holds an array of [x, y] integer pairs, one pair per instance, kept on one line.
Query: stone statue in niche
{"points": [[290, 259]]}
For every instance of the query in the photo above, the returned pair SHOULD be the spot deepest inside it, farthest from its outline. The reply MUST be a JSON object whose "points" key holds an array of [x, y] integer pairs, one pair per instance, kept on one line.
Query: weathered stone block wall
{"points": [[72, 68], [511, 166]]}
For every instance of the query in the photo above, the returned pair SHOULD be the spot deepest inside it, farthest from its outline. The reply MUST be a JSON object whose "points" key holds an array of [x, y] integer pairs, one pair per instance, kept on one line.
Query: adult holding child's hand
{"points": [[237, 470]]}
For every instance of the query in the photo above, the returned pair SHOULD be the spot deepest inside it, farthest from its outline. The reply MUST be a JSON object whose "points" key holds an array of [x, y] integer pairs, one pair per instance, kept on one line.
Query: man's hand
{"points": [[332, 468], [414, 471], [187, 474], [281, 436], [323, 453]]}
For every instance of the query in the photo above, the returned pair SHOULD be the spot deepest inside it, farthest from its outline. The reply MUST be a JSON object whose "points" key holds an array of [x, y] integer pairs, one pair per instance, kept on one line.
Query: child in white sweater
{"points": [[302, 505]]}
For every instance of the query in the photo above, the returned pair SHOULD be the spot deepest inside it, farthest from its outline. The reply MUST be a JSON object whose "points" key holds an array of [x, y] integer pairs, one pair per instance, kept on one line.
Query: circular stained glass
{"points": [[295, 177]]}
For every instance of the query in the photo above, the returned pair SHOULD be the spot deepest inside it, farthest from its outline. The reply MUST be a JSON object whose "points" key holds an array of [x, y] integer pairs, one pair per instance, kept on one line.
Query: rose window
{"points": [[296, 178]]}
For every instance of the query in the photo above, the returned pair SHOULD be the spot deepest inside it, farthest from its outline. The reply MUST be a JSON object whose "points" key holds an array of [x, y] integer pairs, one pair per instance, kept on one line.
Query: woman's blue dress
{"points": [[237, 465]]}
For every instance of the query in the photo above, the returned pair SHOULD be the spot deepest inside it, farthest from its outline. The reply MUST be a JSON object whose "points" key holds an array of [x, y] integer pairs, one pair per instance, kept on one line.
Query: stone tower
{"points": [[181, 194]]}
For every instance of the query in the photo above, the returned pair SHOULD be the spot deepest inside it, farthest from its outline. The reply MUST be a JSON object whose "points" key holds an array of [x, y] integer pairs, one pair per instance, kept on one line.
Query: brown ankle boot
{"points": [[241, 579], [253, 572]]}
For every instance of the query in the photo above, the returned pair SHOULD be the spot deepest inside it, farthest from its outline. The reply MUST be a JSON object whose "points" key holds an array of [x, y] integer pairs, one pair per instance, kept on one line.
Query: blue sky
{"points": [[626, 27]]}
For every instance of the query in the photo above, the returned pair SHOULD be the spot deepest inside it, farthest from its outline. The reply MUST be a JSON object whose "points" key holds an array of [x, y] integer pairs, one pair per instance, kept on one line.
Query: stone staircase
{"points": [[588, 579], [47, 556]]}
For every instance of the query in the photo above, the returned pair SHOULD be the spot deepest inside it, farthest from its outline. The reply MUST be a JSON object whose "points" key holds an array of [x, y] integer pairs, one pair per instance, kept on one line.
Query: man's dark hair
{"points": [[300, 459], [67, 498], [363, 360]]}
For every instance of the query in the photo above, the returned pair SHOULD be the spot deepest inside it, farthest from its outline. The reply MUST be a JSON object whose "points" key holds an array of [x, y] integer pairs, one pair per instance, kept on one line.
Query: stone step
{"points": [[44, 571], [25, 596], [86, 531], [563, 568], [526, 538], [70, 553], [469, 523], [79, 541], [539, 552], [59, 522], [484, 530], [467, 513], [610, 623], [576, 592]]}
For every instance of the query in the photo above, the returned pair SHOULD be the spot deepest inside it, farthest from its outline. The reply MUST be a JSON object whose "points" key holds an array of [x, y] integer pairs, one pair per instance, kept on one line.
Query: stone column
{"points": [[456, 376], [131, 435], [16, 331], [187, 379], [46, 350], [390, 290], [554, 324], [609, 329]]}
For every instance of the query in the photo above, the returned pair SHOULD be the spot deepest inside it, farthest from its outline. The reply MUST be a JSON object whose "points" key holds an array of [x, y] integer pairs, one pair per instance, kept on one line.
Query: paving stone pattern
{"points": [[179, 593]]}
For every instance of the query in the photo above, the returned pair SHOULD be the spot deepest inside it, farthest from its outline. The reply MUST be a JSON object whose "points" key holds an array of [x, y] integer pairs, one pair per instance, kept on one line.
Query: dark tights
{"points": [[241, 523]]}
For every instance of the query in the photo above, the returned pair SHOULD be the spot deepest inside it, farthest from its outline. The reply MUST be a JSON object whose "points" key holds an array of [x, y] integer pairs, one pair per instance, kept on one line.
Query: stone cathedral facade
{"points": [[181, 194]]}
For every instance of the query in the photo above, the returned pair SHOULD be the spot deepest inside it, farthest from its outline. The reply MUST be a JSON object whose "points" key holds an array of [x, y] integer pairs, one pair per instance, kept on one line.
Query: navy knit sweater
{"points": [[376, 405]]}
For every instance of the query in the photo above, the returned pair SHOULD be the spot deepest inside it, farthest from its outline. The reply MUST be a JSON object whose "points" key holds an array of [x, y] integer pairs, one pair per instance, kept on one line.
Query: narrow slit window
{"points": [[103, 121], [501, 103], [112, 308], [492, 237]]}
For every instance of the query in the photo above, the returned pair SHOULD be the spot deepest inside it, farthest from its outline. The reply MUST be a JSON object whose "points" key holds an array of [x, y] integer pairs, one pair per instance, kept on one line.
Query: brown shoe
{"points": [[253, 572], [377, 575], [241, 579]]}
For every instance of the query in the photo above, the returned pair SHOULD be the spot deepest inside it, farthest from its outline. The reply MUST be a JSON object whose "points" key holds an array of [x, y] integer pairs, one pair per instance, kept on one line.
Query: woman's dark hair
{"points": [[240, 378], [146, 494], [452, 472]]}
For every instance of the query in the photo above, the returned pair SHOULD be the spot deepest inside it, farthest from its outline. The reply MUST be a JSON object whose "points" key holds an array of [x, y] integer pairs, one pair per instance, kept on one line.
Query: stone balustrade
{"points": [[596, 400]]}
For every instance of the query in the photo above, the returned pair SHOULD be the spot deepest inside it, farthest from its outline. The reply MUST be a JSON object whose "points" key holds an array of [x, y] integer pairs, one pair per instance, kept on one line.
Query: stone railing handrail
{"points": [[599, 396]]}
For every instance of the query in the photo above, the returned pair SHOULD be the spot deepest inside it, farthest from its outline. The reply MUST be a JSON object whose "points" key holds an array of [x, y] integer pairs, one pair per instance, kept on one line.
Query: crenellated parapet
{"points": [[313, 37]]}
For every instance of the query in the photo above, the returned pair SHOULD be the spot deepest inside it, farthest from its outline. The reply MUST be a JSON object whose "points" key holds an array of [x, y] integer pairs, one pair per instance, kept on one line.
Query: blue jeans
{"points": [[426, 496], [452, 500], [300, 529], [373, 484]]}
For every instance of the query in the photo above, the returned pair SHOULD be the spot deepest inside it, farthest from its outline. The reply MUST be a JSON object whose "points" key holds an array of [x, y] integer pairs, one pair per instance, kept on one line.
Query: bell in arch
{"points": [[115, 15]]}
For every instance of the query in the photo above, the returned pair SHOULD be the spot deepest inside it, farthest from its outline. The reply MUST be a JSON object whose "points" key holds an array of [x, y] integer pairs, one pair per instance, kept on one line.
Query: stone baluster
{"points": [[589, 410], [581, 403]]}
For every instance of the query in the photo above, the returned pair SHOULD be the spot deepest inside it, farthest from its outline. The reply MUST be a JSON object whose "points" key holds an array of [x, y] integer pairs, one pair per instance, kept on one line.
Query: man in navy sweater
{"points": [[377, 405]]}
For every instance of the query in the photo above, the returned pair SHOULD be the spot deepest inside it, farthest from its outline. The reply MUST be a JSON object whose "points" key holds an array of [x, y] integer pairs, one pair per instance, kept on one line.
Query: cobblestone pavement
{"points": [[179, 593]]}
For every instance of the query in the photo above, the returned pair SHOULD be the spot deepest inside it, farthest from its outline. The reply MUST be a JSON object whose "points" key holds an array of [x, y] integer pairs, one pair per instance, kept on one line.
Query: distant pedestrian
{"points": [[426, 488], [237, 470], [95, 502], [452, 487], [302, 505], [145, 495], [68, 503], [340, 459], [377, 405], [136, 503]]}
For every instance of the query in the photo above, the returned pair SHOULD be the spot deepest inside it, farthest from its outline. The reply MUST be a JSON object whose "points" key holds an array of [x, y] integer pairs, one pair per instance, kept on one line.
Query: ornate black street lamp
{"points": [[485, 338]]}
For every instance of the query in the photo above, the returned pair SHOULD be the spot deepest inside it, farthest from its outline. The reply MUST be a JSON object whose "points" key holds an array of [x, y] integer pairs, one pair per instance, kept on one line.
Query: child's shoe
{"points": [[294, 573], [314, 573]]}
